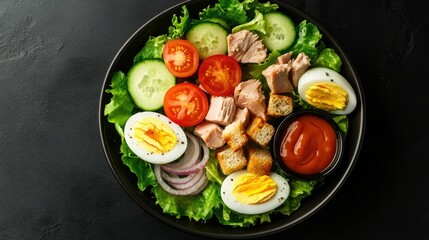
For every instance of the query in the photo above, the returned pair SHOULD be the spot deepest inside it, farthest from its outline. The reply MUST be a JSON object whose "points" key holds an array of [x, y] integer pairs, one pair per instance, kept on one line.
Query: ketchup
{"points": [[308, 145]]}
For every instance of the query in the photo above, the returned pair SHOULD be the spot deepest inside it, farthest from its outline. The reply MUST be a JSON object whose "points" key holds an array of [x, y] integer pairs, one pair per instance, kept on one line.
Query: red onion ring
{"points": [[193, 190], [195, 179], [190, 157], [173, 179], [192, 169]]}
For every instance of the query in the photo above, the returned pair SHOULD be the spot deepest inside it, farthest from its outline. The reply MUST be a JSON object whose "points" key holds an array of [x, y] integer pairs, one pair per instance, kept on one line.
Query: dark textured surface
{"points": [[56, 184]]}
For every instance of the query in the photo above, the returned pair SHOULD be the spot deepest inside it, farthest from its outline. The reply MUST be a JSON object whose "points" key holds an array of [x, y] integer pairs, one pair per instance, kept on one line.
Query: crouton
{"points": [[260, 161], [234, 135], [279, 105], [260, 131], [231, 161]]}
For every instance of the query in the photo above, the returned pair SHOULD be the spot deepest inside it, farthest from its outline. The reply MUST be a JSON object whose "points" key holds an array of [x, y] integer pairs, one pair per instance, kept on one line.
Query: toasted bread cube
{"points": [[231, 161], [260, 131], [279, 105], [260, 161], [234, 135]]}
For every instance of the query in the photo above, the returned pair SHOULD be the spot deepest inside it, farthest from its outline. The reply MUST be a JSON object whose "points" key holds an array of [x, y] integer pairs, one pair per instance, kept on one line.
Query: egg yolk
{"points": [[154, 136], [250, 188], [327, 96]]}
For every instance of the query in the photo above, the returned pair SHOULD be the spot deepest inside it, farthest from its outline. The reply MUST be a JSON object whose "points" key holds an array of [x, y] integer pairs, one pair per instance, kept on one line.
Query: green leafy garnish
{"points": [[328, 58], [179, 24], [232, 11], [308, 37], [120, 107], [152, 49], [343, 123], [257, 24]]}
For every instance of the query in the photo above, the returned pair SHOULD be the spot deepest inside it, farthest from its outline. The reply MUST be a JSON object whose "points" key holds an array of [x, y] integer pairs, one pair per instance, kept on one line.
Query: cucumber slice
{"points": [[281, 31], [148, 81], [222, 22], [209, 38]]}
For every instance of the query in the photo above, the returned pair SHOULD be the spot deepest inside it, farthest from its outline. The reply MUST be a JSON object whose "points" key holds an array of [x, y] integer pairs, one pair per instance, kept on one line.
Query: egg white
{"points": [[320, 75], [155, 158], [228, 198]]}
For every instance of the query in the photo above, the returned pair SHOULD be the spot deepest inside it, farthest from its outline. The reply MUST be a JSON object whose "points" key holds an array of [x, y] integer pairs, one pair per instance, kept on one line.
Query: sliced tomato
{"points": [[181, 57], [186, 104], [219, 75]]}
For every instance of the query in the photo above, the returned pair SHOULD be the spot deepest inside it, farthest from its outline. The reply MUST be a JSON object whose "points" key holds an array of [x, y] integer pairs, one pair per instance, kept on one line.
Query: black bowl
{"points": [[111, 140], [280, 134]]}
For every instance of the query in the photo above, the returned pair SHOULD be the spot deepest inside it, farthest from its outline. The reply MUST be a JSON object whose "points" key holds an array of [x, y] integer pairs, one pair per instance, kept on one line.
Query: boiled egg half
{"points": [[250, 193], [155, 138], [327, 90]]}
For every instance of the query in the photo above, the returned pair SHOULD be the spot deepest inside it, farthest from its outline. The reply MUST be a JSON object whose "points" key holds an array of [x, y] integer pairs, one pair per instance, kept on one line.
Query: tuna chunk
{"points": [[210, 133], [298, 67], [283, 76], [277, 76], [285, 58], [242, 115], [246, 47], [248, 94], [222, 110]]}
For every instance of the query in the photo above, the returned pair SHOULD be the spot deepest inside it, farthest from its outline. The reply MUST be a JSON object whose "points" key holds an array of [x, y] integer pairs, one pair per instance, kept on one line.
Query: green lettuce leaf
{"points": [[343, 123], [230, 218], [328, 58], [179, 24], [212, 169], [251, 5], [300, 188], [257, 24], [298, 191], [142, 169], [308, 37], [121, 105], [199, 207], [232, 11], [298, 102], [152, 48]]}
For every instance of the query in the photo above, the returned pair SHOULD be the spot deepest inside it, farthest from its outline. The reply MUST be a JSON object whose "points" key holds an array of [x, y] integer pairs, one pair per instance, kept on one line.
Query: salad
{"points": [[160, 105]]}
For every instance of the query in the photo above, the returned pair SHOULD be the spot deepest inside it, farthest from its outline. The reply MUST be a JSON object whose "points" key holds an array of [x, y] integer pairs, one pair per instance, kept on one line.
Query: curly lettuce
{"points": [[308, 37], [152, 49], [328, 58], [179, 24], [256, 24], [231, 11], [235, 13], [121, 105]]}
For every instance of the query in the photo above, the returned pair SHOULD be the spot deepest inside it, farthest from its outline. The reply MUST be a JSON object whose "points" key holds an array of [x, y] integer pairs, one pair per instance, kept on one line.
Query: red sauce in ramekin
{"points": [[308, 145]]}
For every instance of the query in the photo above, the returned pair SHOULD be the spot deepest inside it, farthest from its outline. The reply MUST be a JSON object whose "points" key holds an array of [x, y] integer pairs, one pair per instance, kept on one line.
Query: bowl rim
{"points": [[360, 111]]}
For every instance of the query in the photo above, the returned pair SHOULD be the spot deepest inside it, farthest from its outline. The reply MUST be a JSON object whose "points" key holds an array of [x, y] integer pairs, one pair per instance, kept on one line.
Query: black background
{"points": [[55, 182]]}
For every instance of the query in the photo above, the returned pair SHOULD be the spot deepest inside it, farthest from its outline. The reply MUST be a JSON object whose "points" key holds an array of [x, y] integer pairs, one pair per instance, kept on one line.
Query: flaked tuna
{"points": [[248, 94], [298, 67], [210, 133], [283, 76], [242, 115], [222, 110], [277, 76], [246, 47]]}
